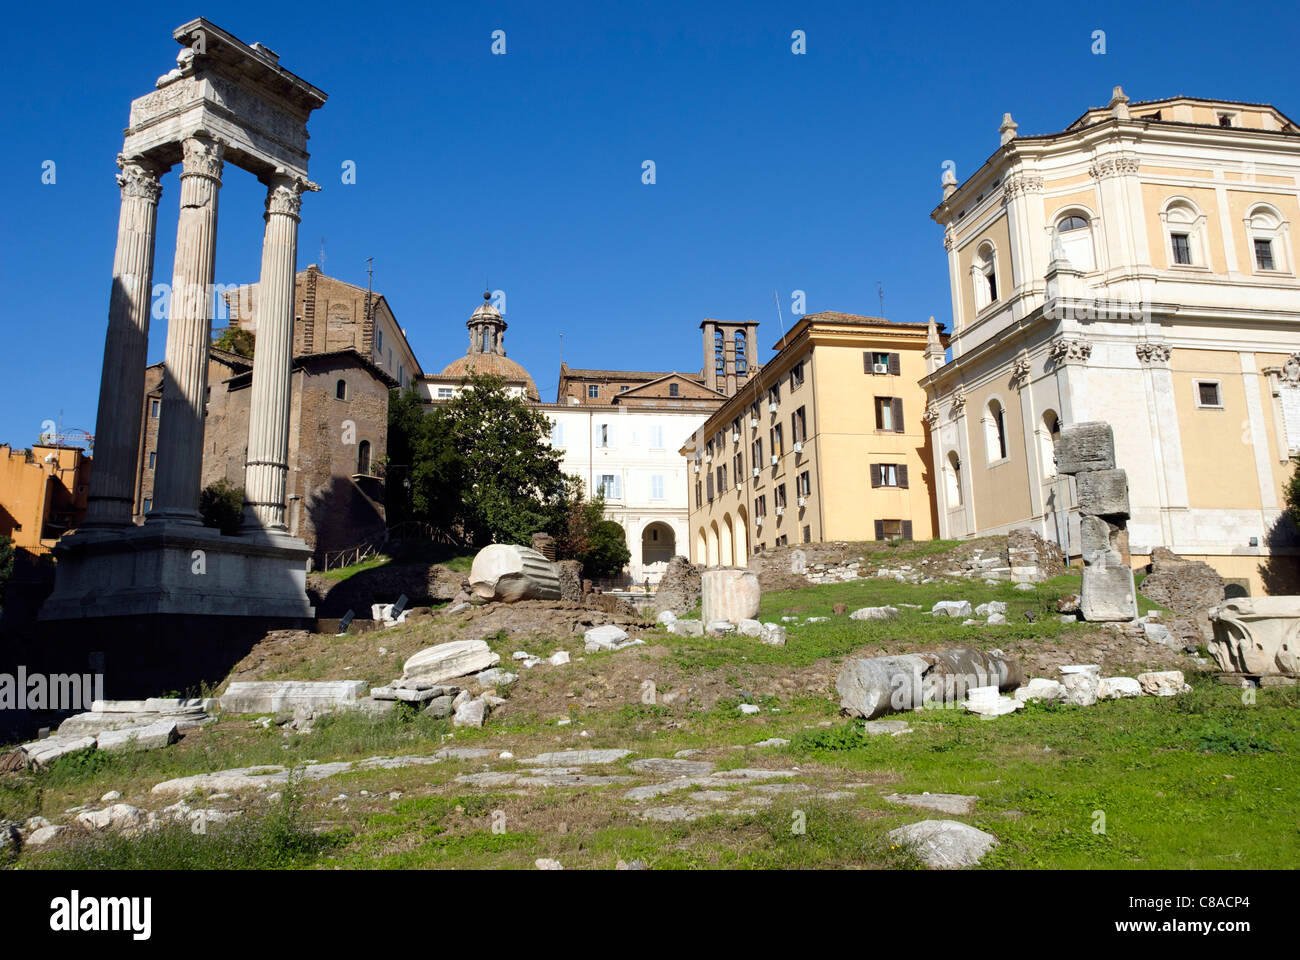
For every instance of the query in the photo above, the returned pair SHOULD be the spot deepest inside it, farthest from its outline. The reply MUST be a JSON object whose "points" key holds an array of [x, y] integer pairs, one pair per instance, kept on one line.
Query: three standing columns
{"points": [[121, 385], [267, 466], [189, 330]]}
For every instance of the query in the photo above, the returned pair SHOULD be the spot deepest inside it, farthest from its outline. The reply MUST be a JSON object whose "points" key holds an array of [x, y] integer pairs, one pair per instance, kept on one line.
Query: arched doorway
{"points": [[742, 538], [658, 543]]}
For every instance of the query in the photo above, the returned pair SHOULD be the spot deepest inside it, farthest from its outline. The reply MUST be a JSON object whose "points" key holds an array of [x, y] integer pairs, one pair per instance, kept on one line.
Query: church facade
{"points": [[1136, 267]]}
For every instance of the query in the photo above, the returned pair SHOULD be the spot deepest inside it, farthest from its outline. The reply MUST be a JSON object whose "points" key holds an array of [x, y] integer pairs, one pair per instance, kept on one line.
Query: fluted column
{"points": [[189, 329], [121, 384], [267, 467]]}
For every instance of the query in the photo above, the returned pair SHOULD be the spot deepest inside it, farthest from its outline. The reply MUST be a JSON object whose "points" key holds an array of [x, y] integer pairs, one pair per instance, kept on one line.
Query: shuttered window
{"points": [[881, 364]]}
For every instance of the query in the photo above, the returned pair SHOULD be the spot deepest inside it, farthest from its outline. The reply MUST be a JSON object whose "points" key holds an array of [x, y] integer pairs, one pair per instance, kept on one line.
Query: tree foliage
{"points": [[480, 466], [236, 340], [606, 552], [221, 504]]}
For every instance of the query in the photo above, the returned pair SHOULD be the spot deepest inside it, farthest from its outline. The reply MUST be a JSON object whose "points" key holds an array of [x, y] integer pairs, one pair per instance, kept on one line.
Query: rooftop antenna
{"points": [[322, 254], [880, 290]]}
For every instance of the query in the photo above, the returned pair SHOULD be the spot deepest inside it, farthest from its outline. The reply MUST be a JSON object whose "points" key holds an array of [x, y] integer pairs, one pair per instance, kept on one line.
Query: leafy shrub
{"points": [[221, 504]]}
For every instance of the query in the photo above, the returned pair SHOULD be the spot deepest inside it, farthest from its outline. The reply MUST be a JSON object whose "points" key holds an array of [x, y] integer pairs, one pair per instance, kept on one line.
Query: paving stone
{"points": [[951, 803], [672, 767], [945, 844], [564, 758]]}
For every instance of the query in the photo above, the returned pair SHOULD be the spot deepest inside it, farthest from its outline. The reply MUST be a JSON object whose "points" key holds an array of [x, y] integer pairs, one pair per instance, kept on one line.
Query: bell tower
{"points": [[730, 354]]}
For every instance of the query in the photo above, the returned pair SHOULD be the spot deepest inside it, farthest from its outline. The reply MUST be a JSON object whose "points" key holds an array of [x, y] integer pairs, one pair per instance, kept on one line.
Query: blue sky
{"points": [[774, 171]]}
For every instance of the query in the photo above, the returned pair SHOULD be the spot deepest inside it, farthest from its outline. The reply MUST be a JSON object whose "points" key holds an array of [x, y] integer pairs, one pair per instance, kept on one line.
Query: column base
{"points": [[178, 569]]}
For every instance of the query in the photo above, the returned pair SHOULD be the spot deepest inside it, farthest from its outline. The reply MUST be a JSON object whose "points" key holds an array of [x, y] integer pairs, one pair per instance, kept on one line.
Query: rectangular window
{"points": [[622, 389], [710, 486], [593, 391], [657, 438], [807, 534], [738, 464], [803, 485], [1264, 255], [674, 389], [799, 426], [154, 407], [1209, 394], [604, 433], [379, 341], [885, 414], [778, 443], [774, 393], [445, 393], [760, 506], [611, 487], [1182, 248], [796, 376], [699, 494], [557, 435], [778, 496], [657, 486], [881, 364], [148, 504], [756, 451], [153, 459]]}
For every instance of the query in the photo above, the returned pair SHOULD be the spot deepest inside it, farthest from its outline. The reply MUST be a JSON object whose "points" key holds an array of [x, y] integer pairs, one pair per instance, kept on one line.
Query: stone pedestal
{"points": [[729, 593], [170, 568], [1087, 450]]}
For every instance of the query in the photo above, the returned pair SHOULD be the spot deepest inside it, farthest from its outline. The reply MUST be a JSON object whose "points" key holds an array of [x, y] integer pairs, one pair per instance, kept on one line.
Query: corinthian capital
{"points": [[138, 178], [202, 158], [284, 196]]}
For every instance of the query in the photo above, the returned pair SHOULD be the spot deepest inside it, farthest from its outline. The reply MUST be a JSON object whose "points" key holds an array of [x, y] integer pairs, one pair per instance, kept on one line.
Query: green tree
{"points": [[480, 466], [221, 504], [236, 340], [606, 552]]}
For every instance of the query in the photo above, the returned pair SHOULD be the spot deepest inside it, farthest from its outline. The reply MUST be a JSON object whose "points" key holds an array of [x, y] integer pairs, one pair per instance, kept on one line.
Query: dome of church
{"points": [[487, 352], [495, 364]]}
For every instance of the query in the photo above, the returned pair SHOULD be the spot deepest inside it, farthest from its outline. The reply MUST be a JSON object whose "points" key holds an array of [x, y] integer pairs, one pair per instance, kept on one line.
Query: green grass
{"points": [[343, 573], [839, 636]]}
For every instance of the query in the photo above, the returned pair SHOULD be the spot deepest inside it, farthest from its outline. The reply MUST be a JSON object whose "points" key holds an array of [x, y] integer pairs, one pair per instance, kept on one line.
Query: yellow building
{"points": [[42, 495], [824, 443], [1136, 267]]}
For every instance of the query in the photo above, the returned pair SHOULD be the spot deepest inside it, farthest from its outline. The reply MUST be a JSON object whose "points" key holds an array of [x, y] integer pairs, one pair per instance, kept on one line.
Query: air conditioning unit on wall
{"points": [[798, 446], [803, 502], [780, 511], [756, 471], [880, 368], [775, 459]]}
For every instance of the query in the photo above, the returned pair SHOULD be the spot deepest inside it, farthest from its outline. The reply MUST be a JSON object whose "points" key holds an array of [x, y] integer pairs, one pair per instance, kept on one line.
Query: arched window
{"points": [[1184, 233], [1073, 240], [995, 432], [341, 390], [719, 352], [1267, 234], [1047, 436], [984, 276], [363, 458], [952, 479], [741, 360]]}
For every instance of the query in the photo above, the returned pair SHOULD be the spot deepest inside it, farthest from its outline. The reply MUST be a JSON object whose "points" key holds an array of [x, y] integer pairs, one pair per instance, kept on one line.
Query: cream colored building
{"points": [[1136, 267], [619, 431], [825, 443]]}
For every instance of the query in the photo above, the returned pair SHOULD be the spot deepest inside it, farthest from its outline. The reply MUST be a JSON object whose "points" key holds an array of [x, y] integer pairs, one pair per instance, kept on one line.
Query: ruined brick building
{"points": [[349, 353]]}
